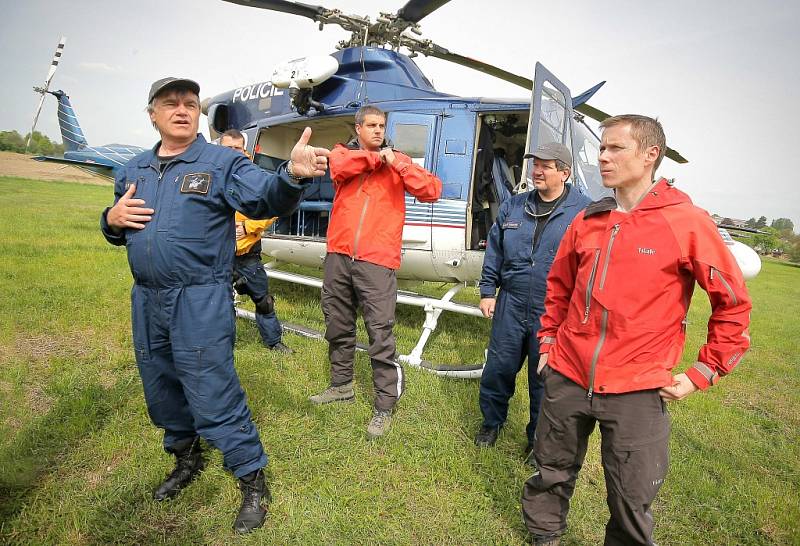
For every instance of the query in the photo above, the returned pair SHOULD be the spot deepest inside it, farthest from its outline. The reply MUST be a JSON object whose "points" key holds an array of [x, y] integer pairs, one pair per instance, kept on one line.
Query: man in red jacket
{"points": [[365, 233], [614, 328]]}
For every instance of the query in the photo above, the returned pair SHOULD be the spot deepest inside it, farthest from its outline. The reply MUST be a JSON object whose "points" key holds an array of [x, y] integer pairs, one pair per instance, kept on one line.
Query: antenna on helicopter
{"points": [[43, 90]]}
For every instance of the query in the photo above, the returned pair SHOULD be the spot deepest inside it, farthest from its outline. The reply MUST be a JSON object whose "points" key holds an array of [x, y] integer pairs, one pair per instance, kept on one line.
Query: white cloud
{"points": [[102, 68]]}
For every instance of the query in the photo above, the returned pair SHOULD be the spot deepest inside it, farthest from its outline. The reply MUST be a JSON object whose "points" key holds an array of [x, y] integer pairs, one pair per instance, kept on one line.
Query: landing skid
{"points": [[433, 309]]}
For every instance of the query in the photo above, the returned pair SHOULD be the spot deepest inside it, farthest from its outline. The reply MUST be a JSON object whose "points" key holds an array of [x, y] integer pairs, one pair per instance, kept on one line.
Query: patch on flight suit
{"points": [[511, 225], [196, 183]]}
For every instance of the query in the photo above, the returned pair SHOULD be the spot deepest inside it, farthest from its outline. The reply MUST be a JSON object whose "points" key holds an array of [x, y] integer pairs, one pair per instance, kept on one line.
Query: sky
{"points": [[722, 77]]}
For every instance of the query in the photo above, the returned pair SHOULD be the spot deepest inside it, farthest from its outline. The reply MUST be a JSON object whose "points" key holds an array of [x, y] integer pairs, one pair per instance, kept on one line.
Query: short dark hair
{"points": [[233, 133], [367, 110], [646, 131]]}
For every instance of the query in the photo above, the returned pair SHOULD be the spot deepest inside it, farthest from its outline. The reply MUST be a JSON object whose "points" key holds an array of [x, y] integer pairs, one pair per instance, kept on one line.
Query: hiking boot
{"points": [[487, 436], [546, 541], [281, 348], [379, 424], [189, 463], [251, 513], [341, 393]]}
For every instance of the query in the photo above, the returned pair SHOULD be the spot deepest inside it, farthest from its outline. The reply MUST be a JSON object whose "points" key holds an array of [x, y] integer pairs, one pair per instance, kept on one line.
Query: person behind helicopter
{"points": [[364, 240]]}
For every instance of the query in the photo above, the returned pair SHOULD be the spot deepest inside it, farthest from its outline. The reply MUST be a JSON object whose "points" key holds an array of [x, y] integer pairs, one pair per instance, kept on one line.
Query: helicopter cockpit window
{"points": [[586, 170], [274, 146], [412, 140]]}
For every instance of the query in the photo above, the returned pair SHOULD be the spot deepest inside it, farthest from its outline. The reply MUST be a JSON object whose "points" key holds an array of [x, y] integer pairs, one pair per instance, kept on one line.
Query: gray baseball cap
{"points": [[164, 83], [552, 150]]}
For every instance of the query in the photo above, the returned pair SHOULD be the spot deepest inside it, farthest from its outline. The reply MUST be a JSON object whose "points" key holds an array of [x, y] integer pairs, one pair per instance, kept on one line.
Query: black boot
{"points": [[252, 514], [189, 463]]}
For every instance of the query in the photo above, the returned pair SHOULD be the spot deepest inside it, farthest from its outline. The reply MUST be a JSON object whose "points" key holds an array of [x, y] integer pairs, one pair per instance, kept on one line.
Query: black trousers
{"points": [[350, 285], [634, 449]]}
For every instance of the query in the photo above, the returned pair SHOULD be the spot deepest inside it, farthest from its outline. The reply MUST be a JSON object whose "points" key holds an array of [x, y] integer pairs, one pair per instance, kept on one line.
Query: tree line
{"points": [[12, 141], [778, 238]]}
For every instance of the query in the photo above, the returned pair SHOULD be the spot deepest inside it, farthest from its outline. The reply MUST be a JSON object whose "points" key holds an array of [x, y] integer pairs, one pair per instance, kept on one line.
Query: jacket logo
{"points": [[196, 183], [648, 251], [511, 225]]}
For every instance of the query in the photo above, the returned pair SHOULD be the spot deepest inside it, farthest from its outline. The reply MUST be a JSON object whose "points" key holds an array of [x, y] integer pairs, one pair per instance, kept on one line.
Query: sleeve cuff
{"points": [[702, 376], [545, 344], [113, 238]]}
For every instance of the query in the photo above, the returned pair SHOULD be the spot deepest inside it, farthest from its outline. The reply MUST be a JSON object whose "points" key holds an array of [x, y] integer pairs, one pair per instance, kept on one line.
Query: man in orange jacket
{"points": [[249, 276], [614, 328], [364, 239]]}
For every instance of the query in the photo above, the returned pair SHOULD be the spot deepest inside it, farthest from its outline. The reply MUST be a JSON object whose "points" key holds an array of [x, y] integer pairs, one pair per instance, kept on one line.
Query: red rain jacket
{"points": [[369, 206], [619, 291]]}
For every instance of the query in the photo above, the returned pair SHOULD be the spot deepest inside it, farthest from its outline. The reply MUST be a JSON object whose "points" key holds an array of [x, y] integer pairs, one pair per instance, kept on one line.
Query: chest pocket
{"points": [[517, 240], [191, 207]]}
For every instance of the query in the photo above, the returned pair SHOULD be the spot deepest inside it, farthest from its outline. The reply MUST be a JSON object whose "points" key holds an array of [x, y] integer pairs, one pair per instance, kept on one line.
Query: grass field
{"points": [[79, 457]]}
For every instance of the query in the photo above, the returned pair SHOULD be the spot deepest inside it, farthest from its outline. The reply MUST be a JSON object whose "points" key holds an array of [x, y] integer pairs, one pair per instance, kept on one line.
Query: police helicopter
{"points": [[475, 145]]}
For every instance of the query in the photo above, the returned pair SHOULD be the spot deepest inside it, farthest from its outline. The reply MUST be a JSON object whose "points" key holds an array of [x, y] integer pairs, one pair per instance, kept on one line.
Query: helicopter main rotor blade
{"points": [[480, 66], [415, 10], [295, 8], [585, 109]]}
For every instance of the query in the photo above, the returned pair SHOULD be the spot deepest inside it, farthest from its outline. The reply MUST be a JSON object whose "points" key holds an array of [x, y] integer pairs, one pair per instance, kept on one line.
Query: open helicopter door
{"points": [[413, 134], [550, 120]]}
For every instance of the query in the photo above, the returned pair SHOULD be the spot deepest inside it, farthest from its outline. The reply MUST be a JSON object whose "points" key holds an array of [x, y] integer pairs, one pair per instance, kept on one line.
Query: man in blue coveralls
{"points": [[519, 253], [174, 211]]}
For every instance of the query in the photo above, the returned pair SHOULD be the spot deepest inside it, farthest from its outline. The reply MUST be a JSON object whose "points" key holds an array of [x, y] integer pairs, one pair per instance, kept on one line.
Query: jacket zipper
{"points": [[604, 316], [361, 218], [724, 283], [590, 286]]}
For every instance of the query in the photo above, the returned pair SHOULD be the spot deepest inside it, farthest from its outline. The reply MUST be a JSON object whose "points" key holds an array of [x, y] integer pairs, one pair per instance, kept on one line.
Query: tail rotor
{"points": [[43, 90]]}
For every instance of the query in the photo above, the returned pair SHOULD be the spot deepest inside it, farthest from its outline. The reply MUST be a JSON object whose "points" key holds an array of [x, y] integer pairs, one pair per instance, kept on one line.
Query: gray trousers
{"points": [[634, 449], [350, 285]]}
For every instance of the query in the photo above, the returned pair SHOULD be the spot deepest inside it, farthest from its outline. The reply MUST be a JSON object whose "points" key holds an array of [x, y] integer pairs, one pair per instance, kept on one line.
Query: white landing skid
{"points": [[433, 309]]}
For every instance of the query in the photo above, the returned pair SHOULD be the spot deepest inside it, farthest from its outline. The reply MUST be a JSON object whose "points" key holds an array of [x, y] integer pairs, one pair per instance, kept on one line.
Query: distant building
{"points": [[728, 221]]}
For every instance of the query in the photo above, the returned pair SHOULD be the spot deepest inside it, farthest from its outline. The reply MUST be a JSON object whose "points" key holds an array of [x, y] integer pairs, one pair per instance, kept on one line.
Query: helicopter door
{"points": [[551, 117], [412, 134]]}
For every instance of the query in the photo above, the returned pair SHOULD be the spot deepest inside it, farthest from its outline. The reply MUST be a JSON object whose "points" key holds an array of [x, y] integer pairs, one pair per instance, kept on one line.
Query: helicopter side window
{"points": [[412, 140], [274, 147]]}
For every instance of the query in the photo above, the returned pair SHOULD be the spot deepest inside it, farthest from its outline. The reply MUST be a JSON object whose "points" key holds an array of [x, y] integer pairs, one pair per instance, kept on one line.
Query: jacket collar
{"points": [[354, 144], [189, 155], [661, 194], [569, 200]]}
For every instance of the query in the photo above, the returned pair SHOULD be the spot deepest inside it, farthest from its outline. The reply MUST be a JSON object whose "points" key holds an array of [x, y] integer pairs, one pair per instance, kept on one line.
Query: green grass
{"points": [[79, 457]]}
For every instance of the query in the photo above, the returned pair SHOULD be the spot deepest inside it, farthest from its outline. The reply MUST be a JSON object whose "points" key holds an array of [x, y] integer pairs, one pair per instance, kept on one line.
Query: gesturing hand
{"points": [[387, 156], [128, 212], [308, 161]]}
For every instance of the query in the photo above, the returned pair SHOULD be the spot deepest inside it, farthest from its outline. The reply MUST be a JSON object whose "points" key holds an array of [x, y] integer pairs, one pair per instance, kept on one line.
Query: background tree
{"points": [[783, 225], [751, 223], [12, 141], [761, 222]]}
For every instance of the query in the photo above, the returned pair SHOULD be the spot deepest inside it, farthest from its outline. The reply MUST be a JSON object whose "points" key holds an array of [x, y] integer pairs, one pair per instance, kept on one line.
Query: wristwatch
{"points": [[291, 174]]}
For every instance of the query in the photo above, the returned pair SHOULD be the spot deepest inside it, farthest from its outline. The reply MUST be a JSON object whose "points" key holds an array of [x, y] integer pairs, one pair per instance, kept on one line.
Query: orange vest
{"points": [[252, 232]]}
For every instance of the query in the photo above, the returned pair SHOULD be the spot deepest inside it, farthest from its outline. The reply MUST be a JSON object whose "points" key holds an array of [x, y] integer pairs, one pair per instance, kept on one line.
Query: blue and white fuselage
{"points": [[100, 160]]}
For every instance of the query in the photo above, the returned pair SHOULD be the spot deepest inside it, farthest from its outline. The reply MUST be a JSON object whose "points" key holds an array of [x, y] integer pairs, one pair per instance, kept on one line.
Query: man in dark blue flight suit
{"points": [[174, 212], [520, 250]]}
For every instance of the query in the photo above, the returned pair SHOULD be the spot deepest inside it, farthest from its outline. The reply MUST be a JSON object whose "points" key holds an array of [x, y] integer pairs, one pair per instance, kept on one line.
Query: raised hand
{"points": [[128, 212], [387, 156], [308, 161]]}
